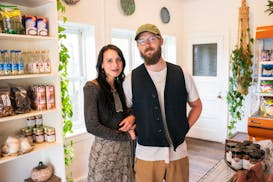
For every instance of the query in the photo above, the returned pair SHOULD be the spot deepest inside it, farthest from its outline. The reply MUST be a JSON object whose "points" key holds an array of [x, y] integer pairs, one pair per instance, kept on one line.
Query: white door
{"points": [[210, 73]]}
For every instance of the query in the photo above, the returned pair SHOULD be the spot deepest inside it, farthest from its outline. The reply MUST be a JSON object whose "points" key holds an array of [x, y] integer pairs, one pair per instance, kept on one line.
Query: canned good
{"points": [[39, 120], [229, 147], [237, 158], [254, 157], [39, 135], [50, 135], [31, 121]]}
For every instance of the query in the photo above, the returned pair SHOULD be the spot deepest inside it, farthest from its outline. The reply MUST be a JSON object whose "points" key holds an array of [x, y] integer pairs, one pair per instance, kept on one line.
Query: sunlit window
{"points": [[81, 46]]}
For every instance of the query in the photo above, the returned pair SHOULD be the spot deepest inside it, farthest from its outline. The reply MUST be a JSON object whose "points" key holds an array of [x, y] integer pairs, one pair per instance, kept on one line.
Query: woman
{"points": [[108, 118]]}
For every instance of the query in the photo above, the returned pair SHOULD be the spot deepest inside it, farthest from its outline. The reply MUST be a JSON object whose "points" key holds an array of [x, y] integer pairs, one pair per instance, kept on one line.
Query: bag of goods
{"points": [[42, 26], [25, 145], [6, 108], [266, 106], [20, 100], [266, 86], [11, 146], [11, 18], [37, 95], [29, 23]]}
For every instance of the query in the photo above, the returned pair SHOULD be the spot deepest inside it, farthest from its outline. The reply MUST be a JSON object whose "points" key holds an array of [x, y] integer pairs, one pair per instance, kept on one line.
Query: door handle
{"points": [[219, 96]]}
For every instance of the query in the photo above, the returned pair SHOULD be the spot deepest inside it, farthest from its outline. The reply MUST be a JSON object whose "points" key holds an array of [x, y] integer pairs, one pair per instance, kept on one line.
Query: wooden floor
{"points": [[203, 155]]}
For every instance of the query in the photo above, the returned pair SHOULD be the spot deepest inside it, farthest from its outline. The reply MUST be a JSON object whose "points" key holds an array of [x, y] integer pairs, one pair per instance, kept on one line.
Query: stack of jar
{"points": [[37, 61], [243, 155], [11, 62], [37, 132]]}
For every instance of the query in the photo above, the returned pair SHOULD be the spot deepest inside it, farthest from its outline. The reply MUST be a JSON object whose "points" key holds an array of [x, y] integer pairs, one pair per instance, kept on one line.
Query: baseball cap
{"points": [[147, 28]]}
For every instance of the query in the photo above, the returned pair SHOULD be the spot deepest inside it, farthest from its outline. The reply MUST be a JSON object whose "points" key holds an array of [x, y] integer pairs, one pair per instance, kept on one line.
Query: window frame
{"points": [[87, 67]]}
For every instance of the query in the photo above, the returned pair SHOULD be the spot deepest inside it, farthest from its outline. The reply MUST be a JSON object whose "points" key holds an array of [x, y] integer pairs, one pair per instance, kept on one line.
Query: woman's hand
{"points": [[127, 123], [132, 133]]}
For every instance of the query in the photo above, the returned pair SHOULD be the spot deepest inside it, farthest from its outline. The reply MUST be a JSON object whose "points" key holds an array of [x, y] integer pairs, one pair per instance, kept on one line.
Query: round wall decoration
{"points": [[71, 2], [128, 6], [165, 15]]}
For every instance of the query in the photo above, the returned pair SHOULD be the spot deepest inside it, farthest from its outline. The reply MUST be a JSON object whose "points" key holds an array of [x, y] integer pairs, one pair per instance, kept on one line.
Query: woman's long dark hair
{"points": [[106, 95]]}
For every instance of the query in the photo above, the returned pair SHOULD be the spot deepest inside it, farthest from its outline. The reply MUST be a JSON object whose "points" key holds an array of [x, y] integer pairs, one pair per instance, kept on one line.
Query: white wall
{"points": [[188, 17]]}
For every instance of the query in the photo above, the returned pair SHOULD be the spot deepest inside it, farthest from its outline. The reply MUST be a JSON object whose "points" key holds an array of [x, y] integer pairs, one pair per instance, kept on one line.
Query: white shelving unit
{"points": [[264, 41], [18, 168]]}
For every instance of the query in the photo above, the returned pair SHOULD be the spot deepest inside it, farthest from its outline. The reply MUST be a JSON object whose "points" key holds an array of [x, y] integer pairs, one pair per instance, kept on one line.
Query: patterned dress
{"points": [[111, 161]]}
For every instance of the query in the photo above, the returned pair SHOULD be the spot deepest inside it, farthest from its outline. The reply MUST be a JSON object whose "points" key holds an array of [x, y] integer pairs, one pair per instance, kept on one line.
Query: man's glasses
{"points": [[148, 40]]}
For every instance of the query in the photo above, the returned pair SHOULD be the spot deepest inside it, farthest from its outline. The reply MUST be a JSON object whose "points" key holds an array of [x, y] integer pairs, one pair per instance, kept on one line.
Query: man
{"points": [[158, 92]]}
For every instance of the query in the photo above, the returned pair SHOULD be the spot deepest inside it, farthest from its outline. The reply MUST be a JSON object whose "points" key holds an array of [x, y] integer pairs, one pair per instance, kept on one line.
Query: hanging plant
{"points": [[67, 112], [270, 7], [239, 82]]}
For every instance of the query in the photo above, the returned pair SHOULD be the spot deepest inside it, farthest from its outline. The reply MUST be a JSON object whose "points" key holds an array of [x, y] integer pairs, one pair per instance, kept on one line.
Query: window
{"points": [[81, 46], [125, 40], [205, 59]]}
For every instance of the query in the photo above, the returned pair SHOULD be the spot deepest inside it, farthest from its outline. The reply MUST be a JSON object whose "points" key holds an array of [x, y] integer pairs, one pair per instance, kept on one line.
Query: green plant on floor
{"points": [[270, 7], [67, 112], [239, 82]]}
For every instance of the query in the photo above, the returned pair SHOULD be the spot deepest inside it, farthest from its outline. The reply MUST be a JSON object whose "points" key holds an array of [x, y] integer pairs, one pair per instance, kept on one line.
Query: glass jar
{"points": [[246, 158], [247, 143], [28, 135], [237, 158], [229, 147], [254, 157], [39, 120], [39, 136], [31, 121], [50, 134]]}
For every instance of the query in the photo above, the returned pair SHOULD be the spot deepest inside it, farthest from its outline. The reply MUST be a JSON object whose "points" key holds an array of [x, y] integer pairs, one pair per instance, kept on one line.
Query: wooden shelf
{"points": [[28, 3], [25, 115], [15, 37], [37, 147], [264, 32], [26, 76]]}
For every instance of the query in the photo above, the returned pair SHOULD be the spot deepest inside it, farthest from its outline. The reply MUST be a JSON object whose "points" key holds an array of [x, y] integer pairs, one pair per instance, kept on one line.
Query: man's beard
{"points": [[153, 59]]}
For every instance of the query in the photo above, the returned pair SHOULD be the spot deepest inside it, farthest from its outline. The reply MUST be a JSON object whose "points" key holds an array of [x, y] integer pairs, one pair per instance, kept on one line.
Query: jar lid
{"points": [[39, 131], [255, 155], [247, 142], [236, 150], [231, 144]]}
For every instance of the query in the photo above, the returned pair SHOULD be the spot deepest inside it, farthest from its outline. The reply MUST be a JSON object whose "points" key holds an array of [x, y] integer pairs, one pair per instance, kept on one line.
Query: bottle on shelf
{"points": [[13, 62], [20, 62], [1, 65], [7, 62]]}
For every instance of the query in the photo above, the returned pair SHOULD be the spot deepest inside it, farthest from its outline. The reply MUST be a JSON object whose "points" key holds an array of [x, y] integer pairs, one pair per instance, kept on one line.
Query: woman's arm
{"points": [[93, 125]]}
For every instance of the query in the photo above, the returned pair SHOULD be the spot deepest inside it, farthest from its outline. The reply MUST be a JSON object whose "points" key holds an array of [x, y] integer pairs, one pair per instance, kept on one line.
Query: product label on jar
{"points": [[246, 164], [237, 163], [228, 156]]}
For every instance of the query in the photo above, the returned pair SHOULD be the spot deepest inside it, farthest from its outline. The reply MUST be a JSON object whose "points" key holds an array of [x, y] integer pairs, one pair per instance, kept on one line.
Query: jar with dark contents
{"points": [[254, 157], [247, 143], [237, 158], [229, 146]]}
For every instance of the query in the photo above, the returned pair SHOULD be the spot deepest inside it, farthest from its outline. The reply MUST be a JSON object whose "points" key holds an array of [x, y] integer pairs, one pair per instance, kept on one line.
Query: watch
{"points": [[164, 15]]}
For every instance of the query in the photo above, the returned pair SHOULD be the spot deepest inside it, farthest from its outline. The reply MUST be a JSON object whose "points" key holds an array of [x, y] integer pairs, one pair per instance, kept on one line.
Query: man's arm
{"points": [[196, 109]]}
